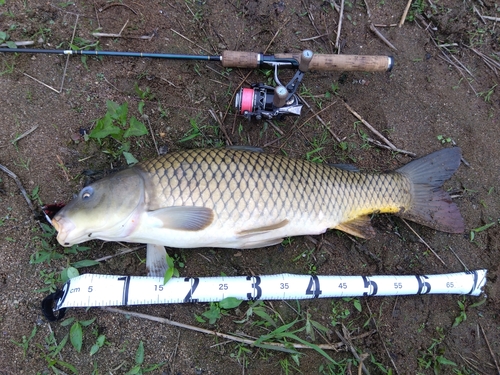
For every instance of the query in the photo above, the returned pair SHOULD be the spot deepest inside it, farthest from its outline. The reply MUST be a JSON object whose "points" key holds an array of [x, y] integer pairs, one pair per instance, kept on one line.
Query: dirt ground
{"points": [[435, 97]]}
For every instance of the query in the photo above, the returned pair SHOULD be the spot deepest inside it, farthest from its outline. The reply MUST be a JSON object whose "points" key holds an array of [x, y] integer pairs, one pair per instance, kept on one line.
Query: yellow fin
{"points": [[249, 232], [359, 227]]}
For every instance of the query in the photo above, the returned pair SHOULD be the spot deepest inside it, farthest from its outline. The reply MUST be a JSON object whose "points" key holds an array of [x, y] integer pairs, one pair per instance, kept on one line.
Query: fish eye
{"points": [[87, 193]]}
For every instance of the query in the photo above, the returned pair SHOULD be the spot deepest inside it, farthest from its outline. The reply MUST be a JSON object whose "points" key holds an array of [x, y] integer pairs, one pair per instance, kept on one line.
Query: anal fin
{"points": [[359, 227], [156, 260]]}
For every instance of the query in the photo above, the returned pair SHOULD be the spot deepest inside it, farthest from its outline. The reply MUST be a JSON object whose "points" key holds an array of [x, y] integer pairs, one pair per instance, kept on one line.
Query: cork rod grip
{"points": [[363, 63], [238, 59]]}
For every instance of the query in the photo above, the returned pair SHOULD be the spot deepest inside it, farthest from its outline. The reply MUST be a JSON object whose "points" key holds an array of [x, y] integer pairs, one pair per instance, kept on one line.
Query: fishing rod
{"points": [[260, 100]]}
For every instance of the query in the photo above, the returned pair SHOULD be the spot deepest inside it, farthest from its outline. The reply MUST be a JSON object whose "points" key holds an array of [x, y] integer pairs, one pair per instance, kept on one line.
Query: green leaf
{"points": [[104, 127], [76, 336], [129, 158], [11, 44], [85, 263], [357, 304], [94, 349], [100, 340], [72, 272], [136, 128], [230, 303], [444, 361], [86, 323], [134, 370], [3, 36], [118, 112], [140, 107], [67, 322], [139, 354], [168, 275]]}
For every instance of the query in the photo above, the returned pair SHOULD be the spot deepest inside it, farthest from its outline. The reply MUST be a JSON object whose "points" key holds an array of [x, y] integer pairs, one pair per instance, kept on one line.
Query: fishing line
{"points": [[92, 290]]}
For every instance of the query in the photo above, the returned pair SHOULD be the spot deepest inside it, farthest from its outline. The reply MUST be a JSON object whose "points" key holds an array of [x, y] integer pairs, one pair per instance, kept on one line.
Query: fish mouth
{"points": [[63, 227]]}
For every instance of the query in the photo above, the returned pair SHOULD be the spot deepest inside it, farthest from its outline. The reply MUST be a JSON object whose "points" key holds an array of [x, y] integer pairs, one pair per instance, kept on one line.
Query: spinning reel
{"points": [[262, 101]]}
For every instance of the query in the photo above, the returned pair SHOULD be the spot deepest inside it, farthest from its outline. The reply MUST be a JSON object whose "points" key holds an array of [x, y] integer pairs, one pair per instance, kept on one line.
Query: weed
{"points": [[76, 331], [433, 357], [240, 354], [443, 139], [486, 95], [35, 195], [24, 344], [4, 38], [53, 350], [417, 8], [84, 44], [138, 368], [217, 309], [99, 342], [115, 124], [172, 271], [462, 316], [197, 131], [480, 229]]}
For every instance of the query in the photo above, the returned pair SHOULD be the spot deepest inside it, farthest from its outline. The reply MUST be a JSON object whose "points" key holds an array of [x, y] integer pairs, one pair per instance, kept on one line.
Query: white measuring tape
{"points": [[91, 290]]}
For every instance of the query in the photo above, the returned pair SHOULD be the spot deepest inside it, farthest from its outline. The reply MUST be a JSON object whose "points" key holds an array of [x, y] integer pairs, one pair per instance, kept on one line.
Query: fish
{"points": [[242, 198]]}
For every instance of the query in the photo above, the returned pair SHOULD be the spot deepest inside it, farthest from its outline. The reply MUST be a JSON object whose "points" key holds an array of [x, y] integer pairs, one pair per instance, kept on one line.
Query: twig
{"points": [[496, 19], [117, 4], [190, 41], [387, 142], [425, 243], [383, 38], [489, 348], [382, 339], [221, 126], [218, 334], [61, 164], [403, 17], [341, 16], [320, 119], [377, 143], [22, 43], [479, 14], [107, 35], [122, 252], [314, 37], [152, 134], [460, 260], [19, 185], [346, 341], [19, 137]]}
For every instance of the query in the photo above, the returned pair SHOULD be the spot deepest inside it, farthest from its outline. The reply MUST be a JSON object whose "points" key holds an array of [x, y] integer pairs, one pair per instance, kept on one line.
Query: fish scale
{"points": [[242, 185]]}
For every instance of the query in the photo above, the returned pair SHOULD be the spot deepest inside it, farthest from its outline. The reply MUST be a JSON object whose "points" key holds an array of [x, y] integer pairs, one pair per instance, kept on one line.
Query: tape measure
{"points": [[90, 290]]}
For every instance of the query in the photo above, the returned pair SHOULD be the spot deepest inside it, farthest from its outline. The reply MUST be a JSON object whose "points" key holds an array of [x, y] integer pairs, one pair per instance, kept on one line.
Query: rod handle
{"points": [[240, 59], [363, 63]]}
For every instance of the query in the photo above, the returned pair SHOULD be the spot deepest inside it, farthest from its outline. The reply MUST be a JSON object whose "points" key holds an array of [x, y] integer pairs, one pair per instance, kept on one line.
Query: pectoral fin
{"points": [[183, 217], [156, 260], [359, 227]]}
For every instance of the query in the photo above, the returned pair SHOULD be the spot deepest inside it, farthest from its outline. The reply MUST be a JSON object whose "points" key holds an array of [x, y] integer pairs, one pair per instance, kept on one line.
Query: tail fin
{"points": [[432, 206]]}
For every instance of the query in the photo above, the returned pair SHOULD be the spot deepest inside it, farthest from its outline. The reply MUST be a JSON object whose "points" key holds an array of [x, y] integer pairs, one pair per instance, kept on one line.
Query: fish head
{"points": [[108, 209]]}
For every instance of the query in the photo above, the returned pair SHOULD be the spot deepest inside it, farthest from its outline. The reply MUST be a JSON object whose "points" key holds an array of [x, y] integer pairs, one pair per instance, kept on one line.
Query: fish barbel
{"points": [[240, 199]]}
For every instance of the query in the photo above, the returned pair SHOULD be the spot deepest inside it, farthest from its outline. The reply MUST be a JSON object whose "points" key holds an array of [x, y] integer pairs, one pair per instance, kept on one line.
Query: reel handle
{"points": [[320, 62]]}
